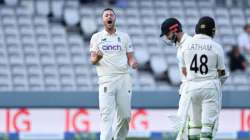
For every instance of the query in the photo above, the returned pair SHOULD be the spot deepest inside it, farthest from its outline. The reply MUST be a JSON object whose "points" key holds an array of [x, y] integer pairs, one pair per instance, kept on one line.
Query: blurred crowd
{"points": [[237, 59]]}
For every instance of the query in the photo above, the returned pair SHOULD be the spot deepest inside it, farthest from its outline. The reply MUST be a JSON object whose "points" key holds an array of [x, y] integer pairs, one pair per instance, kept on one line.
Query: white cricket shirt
{"points": [[202, 57], [114, 48], [184, 38]]}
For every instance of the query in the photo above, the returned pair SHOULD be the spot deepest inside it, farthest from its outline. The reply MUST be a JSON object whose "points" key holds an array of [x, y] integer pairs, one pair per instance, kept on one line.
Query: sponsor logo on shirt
{"points": [[111, 47]]}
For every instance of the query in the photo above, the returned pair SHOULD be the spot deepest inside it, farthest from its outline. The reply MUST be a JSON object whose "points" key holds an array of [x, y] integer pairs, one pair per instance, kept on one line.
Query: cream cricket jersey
{"points": [[184, 38], [114, 48], [202, 57]]}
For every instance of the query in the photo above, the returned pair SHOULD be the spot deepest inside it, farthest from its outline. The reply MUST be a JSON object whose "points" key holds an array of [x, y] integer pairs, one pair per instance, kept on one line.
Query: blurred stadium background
{"points": [[48, 89]]}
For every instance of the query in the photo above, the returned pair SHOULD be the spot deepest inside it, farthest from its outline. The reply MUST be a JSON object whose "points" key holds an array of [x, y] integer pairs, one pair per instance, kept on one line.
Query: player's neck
{"points": [[111, 30]]}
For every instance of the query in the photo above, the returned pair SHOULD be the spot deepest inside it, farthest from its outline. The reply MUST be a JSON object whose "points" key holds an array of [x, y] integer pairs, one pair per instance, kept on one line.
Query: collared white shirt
{"points": [[184, 38], [114, 48], [202, 57]]}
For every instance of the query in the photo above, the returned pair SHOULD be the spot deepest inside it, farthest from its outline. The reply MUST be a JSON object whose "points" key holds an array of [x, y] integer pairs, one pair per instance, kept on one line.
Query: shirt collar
{"points": [[108, 34], [202, 36]]}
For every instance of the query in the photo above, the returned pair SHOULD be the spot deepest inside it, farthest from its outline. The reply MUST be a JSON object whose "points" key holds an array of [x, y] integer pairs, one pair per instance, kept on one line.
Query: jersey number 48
{"points": [[203, 64]]}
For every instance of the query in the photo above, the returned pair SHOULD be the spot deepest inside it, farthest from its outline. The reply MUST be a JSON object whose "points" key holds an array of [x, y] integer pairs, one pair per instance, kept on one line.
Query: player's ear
{"points": [[213, 31], [196, 29]]}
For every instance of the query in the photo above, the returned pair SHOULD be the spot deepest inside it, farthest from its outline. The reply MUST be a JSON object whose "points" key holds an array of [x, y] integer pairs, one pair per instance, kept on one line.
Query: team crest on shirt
{"points": [[119, 39]]}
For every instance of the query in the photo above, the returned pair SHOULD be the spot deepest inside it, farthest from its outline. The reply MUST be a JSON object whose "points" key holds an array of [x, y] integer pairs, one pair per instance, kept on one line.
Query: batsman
{"points": [[202, 62], [171, 30]]}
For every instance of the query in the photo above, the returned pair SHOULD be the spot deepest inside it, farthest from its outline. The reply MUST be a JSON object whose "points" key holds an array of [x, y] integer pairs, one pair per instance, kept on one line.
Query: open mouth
{"points": [[110, 22]]}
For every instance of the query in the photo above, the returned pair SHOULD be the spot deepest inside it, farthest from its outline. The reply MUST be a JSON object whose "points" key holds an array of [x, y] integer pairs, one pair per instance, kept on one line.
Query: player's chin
{"points": [[109, 26]]}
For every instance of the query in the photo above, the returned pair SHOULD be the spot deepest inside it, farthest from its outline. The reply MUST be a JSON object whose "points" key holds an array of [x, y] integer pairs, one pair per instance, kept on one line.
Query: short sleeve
{"points": [[221, 61], [93, 45], [128, 44]]}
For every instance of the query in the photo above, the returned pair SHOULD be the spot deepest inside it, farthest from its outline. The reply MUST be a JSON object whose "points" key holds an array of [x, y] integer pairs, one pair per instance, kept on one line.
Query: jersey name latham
{"points": [[200, 47]]}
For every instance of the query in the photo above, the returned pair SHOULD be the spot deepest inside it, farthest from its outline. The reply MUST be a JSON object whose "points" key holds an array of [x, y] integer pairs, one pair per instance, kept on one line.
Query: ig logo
{"points": [[77, 121], [18, 121], [139, 120]]}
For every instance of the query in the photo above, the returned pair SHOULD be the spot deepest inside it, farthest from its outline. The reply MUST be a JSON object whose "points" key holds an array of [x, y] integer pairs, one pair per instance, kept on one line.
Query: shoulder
{"points": [[186, 37], [189, 36], [123, 34], [217, 47], [97, 35], [187, 42]]}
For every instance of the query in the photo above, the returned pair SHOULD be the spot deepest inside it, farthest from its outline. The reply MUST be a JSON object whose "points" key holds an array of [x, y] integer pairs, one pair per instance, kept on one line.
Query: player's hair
{"points": [[108, 9], [246, 26]]}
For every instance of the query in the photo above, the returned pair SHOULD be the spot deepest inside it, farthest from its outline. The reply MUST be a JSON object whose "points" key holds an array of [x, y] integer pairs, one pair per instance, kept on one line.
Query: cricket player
{"points": [[171, 29], [112, 54], [203, 64]]}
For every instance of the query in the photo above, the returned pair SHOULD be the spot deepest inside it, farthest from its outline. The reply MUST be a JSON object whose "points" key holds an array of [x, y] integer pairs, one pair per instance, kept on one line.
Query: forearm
{"points": [[95, 58], [132, 62]]}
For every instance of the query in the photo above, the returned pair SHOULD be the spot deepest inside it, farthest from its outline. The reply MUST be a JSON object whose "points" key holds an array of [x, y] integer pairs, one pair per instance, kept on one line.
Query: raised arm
{"points": [[95, 53]]}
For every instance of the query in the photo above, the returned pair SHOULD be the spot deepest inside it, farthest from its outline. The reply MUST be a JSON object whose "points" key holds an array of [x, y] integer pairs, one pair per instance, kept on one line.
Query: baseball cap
{"points": [[205, 25], [170, 24]]}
